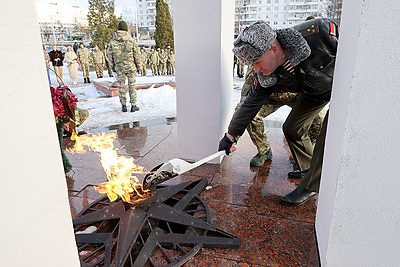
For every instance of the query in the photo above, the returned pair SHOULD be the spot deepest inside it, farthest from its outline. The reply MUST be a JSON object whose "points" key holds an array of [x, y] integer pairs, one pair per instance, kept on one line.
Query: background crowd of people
{"points": [[79, 58]]}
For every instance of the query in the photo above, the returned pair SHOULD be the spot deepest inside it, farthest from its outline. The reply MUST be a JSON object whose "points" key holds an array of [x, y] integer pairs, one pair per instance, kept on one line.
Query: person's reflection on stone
{"points": [[132, 138]]}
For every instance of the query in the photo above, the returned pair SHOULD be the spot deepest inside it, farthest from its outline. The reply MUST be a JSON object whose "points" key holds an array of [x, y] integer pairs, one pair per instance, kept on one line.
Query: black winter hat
{"points": [[122, 26]]}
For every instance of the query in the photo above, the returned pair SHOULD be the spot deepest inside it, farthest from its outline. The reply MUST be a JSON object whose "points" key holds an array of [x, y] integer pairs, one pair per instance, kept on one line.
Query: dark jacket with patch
{"points": [[54, 55], [313, 76]]}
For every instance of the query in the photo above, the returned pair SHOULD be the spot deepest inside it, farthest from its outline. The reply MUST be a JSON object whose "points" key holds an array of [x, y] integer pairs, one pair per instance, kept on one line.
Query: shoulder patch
{"points": [[312, 29], [333, 29]]}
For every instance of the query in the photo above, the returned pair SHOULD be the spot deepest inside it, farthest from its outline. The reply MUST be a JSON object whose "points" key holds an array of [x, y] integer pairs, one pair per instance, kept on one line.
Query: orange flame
{"points": [[119, 169]]}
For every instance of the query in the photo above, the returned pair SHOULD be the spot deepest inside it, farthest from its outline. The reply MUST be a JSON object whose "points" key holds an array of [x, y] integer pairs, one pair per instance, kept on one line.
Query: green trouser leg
{"points": [[256, 128], [315, 125], [154, 69], [312, 178], [99, 70], [131, 87], [109, 69], [122, 88], [296, 129], [85, 70]]}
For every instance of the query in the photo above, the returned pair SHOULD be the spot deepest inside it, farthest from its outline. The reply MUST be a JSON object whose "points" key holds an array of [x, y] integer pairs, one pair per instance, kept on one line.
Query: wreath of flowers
{"points": [[64, 101]]}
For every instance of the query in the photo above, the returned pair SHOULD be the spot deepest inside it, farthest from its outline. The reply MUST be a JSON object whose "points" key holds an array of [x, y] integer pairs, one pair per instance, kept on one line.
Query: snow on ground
{"points": [[154, 103], [105, 111]]}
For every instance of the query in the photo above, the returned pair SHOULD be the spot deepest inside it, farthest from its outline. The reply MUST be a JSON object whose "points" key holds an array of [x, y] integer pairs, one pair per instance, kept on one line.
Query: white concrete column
{"points": [[35, 223], [204, 77], [358, 214]]}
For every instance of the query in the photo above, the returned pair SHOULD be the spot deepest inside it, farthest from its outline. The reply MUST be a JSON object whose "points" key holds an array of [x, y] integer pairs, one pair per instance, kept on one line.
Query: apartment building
{"points": [[146, 15], [61, 23], [278, 13]]}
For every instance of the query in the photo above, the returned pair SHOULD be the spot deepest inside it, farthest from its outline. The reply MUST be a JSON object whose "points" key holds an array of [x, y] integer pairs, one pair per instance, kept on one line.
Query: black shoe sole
{"points": [[298, 204], [295, 177], [296, 174]]}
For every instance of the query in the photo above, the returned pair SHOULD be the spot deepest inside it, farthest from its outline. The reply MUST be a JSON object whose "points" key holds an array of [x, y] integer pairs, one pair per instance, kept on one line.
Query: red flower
{"points": [[62, 99]]}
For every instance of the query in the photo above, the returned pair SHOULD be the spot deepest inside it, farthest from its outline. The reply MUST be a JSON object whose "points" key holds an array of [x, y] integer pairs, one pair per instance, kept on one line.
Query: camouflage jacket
{"points": [[153, 57], [83, 55], [123, 53], [163, 57], [274, 98], [143, 57], [171, 59], [98, 57]]}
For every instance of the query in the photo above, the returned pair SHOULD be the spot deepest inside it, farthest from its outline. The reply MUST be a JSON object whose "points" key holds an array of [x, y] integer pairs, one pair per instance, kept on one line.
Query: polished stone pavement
{"points": [[244, 200]]}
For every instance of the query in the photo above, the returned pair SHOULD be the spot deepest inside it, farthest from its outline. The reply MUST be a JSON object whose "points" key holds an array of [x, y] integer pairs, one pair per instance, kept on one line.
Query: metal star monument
{"points": [[166, 229]]}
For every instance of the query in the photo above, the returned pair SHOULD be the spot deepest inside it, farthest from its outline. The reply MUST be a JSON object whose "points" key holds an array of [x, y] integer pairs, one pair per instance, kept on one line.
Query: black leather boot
{"points": [[134, 108], [298, 197], [84, 80], [88, 80]]}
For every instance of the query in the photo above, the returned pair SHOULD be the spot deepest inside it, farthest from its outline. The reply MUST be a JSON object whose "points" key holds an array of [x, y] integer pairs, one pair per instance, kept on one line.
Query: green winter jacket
{"points": [[123, 53]]}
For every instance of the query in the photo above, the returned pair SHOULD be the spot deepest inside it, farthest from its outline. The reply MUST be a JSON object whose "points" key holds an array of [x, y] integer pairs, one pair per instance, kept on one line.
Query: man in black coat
{"points": [[56, 58], [299, 59]]}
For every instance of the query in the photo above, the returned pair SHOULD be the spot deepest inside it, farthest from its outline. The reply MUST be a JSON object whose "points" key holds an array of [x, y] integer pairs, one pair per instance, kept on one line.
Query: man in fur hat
{"points": [[299, 59], [255, 128]]}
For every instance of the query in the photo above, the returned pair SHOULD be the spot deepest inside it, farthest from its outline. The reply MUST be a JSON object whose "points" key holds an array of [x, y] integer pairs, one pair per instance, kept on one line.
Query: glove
{"points": [[225, 144]]}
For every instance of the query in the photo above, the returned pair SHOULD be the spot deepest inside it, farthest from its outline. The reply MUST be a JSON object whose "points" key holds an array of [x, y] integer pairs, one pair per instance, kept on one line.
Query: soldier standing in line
{"points": [[143, 61], [240, 68], [256, 126], [163, 62], [123, 53], [109, 70], [98, 61], [168, 50], [153, 60], [84, 60], [171, 63], [159, 61]]}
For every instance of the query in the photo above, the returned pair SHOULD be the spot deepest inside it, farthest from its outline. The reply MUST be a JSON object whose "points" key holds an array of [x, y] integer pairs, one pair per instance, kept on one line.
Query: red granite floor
{"points": [[244, 201]]}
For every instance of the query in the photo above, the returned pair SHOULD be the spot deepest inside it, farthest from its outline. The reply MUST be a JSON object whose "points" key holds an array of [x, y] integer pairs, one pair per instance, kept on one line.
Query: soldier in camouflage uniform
{"points": [[84, 60], [171, 63], [240, 68], [109, 70], [143, 61], [168, 49], [123, 53], [153, 61], [256, 126], [98, 61], [162, 67]]}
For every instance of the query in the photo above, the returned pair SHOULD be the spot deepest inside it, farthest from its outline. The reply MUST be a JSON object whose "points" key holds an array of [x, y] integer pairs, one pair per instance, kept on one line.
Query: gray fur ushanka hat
{"points": [[253, 42]]}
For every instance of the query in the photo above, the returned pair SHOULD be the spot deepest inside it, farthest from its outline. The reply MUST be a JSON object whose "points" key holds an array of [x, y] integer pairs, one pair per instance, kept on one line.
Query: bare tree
{"points": [[334, 8]]}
